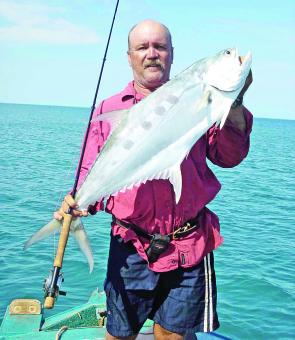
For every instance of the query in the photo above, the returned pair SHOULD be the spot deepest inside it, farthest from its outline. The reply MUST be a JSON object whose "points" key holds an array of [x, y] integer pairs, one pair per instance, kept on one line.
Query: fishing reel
{"points": [[52, 284]]}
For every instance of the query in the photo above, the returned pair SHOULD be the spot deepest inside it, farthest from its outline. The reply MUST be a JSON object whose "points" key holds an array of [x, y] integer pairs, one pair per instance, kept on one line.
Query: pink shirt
{"points": [[152, 206]]}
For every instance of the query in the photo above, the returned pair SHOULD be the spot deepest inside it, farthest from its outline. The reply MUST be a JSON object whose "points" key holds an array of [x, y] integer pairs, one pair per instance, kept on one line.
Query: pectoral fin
{"points": [[204, 101], [113, 118]]}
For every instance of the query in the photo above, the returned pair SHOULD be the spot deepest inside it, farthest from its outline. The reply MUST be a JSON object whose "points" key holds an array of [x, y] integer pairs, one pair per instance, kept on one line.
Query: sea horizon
{"points": [[89, 107]]}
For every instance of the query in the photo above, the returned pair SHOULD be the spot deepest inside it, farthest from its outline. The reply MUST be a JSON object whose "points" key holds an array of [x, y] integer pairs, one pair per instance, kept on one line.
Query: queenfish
{"points": [[150, 140]]}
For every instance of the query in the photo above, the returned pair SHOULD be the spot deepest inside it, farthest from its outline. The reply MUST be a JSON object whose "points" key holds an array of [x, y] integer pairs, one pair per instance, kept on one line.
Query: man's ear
{"points": [[129, 58], [172, 54]]}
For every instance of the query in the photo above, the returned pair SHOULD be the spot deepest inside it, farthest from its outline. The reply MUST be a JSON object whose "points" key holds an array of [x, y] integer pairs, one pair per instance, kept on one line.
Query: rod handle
{"points": [[63, 239], [49, 302]]}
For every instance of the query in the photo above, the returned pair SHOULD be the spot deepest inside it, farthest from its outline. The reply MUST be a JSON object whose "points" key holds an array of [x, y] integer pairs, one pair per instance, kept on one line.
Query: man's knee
{"points": [[163, 334]]}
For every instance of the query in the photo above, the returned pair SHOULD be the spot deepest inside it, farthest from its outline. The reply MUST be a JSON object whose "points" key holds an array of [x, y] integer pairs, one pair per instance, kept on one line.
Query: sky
{"points": [[51, 51]]}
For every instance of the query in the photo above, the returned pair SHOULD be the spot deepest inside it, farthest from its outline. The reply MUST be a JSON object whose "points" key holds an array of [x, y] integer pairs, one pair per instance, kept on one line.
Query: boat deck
{"points": [[24, 319]]}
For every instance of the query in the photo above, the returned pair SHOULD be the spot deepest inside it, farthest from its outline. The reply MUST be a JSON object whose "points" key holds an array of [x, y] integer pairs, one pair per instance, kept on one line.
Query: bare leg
{"points": [[162, 334], [110, 337]]}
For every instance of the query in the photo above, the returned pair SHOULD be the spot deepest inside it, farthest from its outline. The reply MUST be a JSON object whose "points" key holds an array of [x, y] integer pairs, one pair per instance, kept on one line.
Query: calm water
{"points": [[255, 266]]}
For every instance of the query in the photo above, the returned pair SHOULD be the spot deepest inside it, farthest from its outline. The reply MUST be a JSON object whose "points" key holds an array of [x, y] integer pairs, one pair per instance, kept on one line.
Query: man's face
{"points": [[150, 54]]}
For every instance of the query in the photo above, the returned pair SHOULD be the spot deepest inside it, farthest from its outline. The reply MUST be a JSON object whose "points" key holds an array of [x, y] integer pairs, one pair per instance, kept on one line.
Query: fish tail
{"points": [[82, 239], [44, 232]]}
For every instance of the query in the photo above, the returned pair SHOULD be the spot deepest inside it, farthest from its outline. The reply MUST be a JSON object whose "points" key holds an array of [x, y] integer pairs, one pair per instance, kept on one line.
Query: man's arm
{"points": [[237, 118], [228, 146]]}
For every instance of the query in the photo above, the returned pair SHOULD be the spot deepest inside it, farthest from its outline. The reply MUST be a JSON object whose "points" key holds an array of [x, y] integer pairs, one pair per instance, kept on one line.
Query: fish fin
{"points": [[81, 237], [112, 117], [44, 232], [175, 178], [204, 101], [122, 191], [223, 119]]}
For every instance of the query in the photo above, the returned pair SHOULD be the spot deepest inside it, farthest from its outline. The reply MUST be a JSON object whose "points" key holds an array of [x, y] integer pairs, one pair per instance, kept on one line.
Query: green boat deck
{"points": [[84, 322]]}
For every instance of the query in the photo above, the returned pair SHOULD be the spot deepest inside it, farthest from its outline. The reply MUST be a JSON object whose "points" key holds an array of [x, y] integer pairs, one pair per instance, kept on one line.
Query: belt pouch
{"points": [[158, 245]]}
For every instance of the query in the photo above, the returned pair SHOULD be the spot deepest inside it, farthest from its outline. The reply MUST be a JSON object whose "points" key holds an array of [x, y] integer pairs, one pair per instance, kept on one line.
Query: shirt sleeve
{"points": [[98, 133], [228, 146]]}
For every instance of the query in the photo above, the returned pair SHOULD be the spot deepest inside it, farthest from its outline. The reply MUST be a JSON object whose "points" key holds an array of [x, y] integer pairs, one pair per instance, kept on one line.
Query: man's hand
{"points": [[248, 82], [66, 204], [236, 114]]}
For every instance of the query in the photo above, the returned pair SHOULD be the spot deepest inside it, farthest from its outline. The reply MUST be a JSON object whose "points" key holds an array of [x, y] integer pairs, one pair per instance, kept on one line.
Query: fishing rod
{"points": [[55, 278]]}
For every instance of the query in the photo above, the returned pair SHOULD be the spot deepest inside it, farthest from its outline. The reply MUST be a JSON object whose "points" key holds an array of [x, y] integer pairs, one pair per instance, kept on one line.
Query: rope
{"points": [[60, 332]]}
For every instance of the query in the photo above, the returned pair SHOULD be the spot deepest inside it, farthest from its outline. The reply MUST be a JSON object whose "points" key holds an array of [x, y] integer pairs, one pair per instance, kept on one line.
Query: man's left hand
{"points": [[248, 82], [236, 114]]}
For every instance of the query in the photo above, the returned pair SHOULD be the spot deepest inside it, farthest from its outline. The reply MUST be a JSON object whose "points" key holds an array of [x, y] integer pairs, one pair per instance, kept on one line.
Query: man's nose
{"points": [[152, 53]]}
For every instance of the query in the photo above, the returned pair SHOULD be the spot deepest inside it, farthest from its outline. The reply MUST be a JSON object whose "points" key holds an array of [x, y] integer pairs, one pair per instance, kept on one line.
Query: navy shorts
{"points": [[181, 301]]}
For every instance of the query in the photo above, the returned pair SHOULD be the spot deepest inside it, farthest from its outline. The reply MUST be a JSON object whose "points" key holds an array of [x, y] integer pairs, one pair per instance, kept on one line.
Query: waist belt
{"points": [[159, 243], [180, 232]]}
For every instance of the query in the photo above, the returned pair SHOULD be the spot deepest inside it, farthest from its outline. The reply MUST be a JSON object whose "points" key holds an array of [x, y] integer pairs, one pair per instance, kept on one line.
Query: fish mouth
{"points": [[246, 60], [229, 71], [245, 64]]}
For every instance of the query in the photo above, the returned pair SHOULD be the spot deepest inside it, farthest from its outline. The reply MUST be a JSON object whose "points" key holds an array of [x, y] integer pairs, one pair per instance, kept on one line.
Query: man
{"points": [[177, 288]]}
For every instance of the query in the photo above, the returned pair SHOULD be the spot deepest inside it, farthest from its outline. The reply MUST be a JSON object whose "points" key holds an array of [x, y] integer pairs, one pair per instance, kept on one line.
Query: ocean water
{"points": [[39, 151]]}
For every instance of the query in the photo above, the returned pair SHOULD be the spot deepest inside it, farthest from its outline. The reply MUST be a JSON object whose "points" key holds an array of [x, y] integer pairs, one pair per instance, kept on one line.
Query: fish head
{"points": [[227, 71]]}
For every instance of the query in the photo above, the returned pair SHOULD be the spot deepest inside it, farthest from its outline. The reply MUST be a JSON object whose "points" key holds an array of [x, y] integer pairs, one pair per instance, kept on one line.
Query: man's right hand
{"points": [[64, 209]]}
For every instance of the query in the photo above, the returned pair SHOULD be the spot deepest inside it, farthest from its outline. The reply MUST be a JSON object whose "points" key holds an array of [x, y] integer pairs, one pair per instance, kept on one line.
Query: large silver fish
{"points": [[151, 139]]}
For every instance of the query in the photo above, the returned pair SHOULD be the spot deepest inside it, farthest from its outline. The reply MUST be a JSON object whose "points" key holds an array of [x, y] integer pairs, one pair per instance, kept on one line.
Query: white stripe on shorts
{"points": [[208, 310], [206, 296], [210, 294]]}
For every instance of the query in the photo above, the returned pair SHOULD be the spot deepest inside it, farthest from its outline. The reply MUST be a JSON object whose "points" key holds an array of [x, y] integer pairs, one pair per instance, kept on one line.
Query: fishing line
{"points": [[69, 169], [93, 105]]}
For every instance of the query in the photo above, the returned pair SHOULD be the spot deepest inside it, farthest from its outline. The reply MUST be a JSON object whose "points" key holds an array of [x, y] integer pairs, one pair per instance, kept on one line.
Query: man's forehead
{"points": [[149, 33], [151, 39]]}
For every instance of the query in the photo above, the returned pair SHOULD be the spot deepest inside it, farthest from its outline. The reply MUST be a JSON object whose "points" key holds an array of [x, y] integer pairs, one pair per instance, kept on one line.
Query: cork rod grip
{"points": [[63, 239], [49, 302]]}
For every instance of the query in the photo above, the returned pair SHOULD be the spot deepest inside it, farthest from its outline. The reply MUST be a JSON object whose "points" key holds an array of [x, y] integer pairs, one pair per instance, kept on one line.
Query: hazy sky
{"points": [[51, 51]]}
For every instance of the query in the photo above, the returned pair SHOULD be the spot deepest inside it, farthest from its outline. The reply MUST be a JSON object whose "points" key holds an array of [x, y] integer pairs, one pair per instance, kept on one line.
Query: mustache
{"points": [[156, 63]]}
